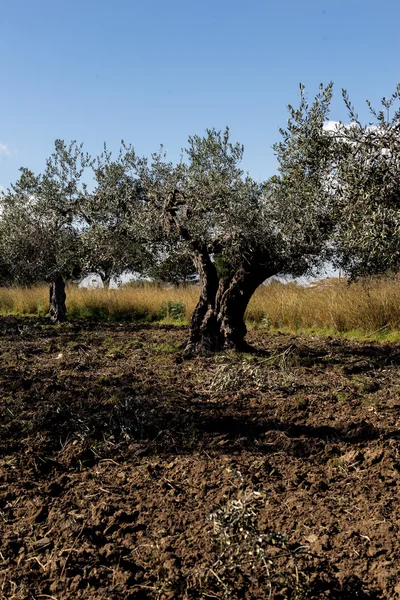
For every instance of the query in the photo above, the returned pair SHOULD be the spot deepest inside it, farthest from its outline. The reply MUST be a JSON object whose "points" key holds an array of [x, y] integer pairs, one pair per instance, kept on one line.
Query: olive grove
{"points": [[335, 197]]}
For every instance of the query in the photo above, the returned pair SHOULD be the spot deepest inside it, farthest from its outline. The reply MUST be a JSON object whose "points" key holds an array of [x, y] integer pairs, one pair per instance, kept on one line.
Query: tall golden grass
{"points": [[145, 301], [371, 307]]}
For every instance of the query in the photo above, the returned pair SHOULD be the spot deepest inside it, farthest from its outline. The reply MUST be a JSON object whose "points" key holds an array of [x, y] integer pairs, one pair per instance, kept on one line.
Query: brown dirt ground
{"points": [[114, 452]]}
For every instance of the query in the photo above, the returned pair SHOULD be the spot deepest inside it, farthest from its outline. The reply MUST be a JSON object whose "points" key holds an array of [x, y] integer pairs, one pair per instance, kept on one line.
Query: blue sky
{"points": [[156, 71]]}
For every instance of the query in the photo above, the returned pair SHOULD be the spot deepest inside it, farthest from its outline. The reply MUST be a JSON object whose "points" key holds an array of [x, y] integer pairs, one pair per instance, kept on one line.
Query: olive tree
{"points": [[111, 244], [40, 224], [365, 179], [238, 231]]}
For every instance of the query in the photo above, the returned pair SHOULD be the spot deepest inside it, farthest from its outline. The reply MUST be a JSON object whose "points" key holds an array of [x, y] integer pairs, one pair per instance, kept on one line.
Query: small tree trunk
{"points": [[106, 277], [58, 310]]}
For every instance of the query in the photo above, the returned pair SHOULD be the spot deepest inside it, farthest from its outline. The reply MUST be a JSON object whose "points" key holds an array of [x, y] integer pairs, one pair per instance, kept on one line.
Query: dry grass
{"points": [[331, 306], [131, 302], [24, 301], [146, 302], [334, 305]]}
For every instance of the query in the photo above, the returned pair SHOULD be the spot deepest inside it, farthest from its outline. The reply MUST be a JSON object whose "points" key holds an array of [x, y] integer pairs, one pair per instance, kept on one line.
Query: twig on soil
{"points": [[218, 578], [135, 549], [107, 460], [38, 562], [275, 356], [72, 547]]}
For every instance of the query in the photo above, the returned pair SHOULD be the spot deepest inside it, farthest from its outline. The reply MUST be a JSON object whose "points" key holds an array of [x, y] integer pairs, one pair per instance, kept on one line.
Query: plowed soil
{"points": [[127, 472]]}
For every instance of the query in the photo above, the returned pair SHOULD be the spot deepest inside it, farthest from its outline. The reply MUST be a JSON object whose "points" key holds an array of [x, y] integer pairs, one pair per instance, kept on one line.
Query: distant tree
{"points": [[365, 180], [40, 224], [240, 232], [173, 264], [52, 227], [112, 240], [5, 272]]}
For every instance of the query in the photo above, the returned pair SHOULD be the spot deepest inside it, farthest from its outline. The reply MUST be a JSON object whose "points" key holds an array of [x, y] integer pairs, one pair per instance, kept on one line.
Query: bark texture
{"points": [[217, 322], [58, 310]]}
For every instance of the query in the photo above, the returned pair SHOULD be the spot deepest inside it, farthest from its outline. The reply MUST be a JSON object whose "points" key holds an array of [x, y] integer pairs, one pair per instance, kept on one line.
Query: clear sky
{"points": [[156, 71]]}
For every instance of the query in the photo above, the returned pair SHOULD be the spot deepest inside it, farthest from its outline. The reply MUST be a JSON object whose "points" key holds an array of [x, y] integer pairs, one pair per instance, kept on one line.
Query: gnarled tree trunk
{"points": [[217, 322], [58, 310]]}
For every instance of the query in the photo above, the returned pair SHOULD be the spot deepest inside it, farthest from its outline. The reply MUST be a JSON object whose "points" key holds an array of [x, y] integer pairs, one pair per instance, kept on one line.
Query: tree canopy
{"points": [[111, 238], [39, 223], [365, 180]]}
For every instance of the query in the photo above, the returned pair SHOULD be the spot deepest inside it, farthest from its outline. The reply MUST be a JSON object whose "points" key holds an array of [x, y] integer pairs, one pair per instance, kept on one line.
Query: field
{"points": [[330, 307], [127, 472]]}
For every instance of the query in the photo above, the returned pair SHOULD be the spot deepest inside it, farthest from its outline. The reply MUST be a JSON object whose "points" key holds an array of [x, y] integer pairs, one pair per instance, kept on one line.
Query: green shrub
{"points": [[173, 310]]}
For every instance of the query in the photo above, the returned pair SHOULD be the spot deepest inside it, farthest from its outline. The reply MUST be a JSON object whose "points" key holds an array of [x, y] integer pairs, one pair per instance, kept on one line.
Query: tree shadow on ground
{"points": [[33, 328], [157, 418], [50, 408], [353, 357], [325, 585]]}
